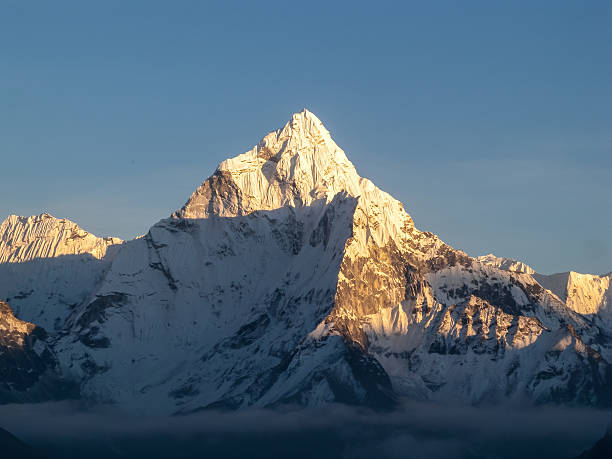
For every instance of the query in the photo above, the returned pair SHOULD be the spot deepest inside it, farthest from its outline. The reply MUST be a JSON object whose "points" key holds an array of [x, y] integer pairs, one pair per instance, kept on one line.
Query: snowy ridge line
{"points": [[587, 294], [44, 236]]}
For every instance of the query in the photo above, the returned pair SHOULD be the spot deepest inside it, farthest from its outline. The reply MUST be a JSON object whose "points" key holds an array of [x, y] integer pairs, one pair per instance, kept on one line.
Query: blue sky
{"points": [[490, 121]]}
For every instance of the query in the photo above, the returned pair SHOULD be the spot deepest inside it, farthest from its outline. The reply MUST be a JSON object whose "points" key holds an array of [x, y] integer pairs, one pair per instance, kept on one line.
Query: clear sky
{"points": [[490, 121]]}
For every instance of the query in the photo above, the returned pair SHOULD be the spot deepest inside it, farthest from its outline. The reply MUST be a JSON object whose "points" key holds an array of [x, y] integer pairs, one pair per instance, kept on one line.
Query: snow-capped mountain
{"points": [[587, 294], [288, 278], [49, 266]]}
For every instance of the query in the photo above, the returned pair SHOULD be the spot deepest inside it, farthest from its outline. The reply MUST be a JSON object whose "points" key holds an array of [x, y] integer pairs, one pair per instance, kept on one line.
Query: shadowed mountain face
{"points": [[288, 278]]}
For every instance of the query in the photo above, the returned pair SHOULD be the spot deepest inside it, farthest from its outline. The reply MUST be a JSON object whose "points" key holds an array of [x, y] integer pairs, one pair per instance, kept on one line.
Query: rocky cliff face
{"points": [[28, 368], [288, 278]]}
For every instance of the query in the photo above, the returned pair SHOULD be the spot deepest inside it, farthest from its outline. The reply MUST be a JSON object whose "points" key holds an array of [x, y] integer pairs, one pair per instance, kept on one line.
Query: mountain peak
{"points": [[45, 236], [303, 135], [306, 123], [295, 165]]}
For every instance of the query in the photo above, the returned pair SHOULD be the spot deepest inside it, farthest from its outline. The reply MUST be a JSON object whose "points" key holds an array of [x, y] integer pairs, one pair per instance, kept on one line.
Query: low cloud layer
{"points": [[417, 430]]}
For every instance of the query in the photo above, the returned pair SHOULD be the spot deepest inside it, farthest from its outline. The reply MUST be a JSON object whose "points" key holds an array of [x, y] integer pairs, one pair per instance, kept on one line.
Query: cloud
{"points": [[416, 430]]}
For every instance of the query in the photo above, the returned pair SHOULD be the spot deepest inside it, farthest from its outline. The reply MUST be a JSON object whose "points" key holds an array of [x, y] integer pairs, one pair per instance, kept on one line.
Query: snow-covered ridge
{"points": [[507, 264], [587, 294], [44, 236], [48, 265]]}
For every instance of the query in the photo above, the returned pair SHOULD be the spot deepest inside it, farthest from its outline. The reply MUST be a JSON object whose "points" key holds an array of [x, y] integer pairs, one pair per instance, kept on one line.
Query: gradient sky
{"points": [[490, 121]]}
